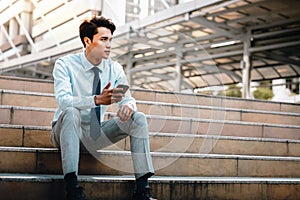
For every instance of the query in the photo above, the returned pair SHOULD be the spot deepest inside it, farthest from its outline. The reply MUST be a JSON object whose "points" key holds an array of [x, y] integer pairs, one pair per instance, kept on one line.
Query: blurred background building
{"points": [[201, 46]]}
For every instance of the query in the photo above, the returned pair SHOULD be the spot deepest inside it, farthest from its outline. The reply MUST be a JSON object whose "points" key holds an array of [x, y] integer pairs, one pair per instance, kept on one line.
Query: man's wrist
{"points": [[130, 105], [96, 101]]}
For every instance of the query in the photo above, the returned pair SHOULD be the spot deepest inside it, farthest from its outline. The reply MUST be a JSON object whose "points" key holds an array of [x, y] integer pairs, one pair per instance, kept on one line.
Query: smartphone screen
{"points": [[124, 87]]}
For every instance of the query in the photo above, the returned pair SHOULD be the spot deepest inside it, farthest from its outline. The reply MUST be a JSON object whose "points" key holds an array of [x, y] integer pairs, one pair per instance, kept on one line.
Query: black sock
{"points": [[71, 180], [142, 182]]}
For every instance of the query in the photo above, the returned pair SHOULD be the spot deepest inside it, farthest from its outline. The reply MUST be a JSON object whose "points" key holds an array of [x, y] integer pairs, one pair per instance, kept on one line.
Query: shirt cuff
{"points": [[131, 105]]}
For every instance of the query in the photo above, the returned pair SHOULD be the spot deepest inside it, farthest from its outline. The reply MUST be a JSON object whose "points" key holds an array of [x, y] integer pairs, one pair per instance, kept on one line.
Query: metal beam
{"points": [[34, 2], [275, 33], [275, 23], [197, 59], [28, 37], [178, 68], [3, 29], [22, 26], [217, 27], [280, 58], [236, 9], [246, 67], [274, 46], [166, 14], [216, 70], [44, 55]]}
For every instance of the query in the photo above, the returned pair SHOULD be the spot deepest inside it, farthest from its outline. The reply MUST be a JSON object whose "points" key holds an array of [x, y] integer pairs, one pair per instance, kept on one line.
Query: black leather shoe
{"points": [[76, 194], [143, 195]]}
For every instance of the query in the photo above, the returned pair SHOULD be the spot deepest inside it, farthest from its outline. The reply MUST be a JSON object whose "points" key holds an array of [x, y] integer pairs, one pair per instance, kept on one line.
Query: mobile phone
{"points": [[124, 87]]}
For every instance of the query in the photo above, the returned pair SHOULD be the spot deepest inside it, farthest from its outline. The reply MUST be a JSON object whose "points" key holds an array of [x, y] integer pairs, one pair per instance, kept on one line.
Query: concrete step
{"points": [[43, 100], [168, 124], [217, 113], [49, 187], [25, 98], [47, 161], [34, 85], [26, 84], [39, 137]]}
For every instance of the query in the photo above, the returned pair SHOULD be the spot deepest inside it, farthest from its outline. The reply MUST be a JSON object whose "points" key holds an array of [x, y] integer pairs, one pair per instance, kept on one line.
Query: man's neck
{"points": [[92, 60]]}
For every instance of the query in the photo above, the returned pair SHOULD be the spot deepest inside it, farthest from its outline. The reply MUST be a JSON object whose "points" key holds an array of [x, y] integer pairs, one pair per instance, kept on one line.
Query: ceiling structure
{"points": [[195, 45]]}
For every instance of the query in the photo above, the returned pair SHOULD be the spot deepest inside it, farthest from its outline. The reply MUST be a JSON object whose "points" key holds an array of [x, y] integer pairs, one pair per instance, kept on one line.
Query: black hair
{"points": [[88, 28]]}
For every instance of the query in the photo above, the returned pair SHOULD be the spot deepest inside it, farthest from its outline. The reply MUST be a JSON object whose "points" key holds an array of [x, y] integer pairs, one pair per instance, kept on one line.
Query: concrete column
{"points": [[26, 20], [178, 69], [26, 17], [3, 39], [246, 67], [144, 6], [128, 68], [13, 29], [116, 10]]}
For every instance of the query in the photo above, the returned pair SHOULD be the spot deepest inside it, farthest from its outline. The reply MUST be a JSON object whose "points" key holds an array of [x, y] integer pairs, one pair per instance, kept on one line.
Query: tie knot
{"points": [[96, 70]]}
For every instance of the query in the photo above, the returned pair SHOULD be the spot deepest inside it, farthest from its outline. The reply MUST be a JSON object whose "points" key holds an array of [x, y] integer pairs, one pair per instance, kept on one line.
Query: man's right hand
{"points": [[109, 96]]}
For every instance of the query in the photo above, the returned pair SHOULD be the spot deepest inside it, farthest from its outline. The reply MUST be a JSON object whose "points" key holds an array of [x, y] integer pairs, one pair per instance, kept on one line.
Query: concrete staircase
{"points": [[203, 147]]}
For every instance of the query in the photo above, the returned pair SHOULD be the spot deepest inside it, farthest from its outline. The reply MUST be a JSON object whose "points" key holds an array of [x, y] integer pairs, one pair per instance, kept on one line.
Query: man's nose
{"points": [[108, 43]]}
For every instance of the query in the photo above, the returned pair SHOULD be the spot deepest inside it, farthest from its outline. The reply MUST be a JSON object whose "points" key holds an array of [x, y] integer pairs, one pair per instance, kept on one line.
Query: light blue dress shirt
{"points": [[73, 84]]}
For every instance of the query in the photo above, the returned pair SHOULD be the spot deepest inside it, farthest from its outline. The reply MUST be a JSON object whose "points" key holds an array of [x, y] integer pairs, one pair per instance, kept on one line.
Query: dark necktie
{"points": [[95, 112]]}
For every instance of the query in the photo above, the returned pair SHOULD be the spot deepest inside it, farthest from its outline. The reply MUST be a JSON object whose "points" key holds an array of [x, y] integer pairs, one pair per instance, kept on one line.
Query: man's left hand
{"points": [[125, 112]]}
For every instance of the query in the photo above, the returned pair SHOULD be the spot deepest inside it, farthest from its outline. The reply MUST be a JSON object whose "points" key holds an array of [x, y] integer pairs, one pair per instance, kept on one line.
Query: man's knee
{"points": [[71, 115], [140, 119]]}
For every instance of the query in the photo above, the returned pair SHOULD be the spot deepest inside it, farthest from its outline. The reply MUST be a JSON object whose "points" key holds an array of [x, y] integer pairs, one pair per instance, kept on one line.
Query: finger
{"points": [[116, 99], [117, 95], [127, 112], [107, 86], [118, 90], [121, 116]]}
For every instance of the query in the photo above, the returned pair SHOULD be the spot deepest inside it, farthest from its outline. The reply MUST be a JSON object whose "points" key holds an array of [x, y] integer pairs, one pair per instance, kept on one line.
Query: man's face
{"points": [[100, 47]]}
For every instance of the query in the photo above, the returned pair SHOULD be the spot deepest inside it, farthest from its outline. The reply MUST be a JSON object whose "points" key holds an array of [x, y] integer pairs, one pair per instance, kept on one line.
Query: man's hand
{"points": [[125, 112], [109, 96]]}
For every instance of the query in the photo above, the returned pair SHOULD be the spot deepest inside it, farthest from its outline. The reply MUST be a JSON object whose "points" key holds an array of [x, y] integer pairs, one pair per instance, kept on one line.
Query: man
{"points": [[84, 84]]}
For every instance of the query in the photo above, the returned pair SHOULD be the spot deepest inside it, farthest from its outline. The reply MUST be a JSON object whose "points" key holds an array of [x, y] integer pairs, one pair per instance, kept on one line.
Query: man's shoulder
{"points": [[70, 57], [111, 63]]}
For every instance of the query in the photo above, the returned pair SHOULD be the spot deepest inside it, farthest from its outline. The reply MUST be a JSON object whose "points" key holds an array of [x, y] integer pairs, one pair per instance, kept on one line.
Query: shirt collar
{"points": [[87, 65]]}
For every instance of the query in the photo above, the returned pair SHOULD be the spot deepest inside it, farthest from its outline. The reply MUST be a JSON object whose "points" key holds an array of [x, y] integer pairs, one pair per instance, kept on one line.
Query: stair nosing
{"points": [[157, 154], [155, 91], [165, 134], [224, 108], [21, 92], [14, 177], [167, 117]]}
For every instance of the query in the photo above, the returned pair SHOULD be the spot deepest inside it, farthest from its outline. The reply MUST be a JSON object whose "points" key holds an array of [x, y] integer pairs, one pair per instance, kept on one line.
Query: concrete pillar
{"points": [[3, 39], [246, 67], [26, 20], [144, 6], [128, 68], [13, 29], [178, 68], [116, 10], [26, 17]]}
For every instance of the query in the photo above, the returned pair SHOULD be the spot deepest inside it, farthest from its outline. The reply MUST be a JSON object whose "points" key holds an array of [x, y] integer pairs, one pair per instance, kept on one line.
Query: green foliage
{"points": [[232, 91], [263, 93]]}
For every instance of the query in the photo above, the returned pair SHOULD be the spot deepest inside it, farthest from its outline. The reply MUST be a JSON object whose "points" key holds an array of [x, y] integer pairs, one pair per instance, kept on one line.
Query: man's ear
{"points": [[87, 41]]}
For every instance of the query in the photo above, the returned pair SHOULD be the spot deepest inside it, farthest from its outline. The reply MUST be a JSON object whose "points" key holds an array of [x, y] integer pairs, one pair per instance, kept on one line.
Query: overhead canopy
{"points": [[200, 44], [209, 42]]}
